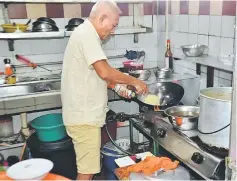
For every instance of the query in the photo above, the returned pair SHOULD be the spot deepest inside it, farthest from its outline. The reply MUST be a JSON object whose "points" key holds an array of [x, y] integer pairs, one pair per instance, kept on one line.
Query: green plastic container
{"points": [[49, 127]]}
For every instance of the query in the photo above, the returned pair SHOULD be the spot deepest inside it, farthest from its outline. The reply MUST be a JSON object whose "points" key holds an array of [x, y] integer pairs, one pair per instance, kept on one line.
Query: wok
{"points": [[169, 93]]}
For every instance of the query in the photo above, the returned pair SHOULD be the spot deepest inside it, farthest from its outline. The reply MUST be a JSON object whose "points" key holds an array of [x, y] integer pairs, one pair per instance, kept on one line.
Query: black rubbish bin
{"points": [[61, 153]]}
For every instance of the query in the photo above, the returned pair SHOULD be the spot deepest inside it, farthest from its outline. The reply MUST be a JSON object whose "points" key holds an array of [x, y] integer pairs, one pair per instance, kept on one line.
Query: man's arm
{"points": [[111, 75], [97, 59]]}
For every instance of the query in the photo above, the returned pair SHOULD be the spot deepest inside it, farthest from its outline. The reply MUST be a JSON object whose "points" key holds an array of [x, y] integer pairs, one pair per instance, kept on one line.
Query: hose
{"points": [[111, 139], [214, 131]]}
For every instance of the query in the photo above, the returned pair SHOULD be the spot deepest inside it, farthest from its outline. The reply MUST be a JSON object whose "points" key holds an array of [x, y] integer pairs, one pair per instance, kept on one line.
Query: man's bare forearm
{"points": [[112, 75], [117, 77]]}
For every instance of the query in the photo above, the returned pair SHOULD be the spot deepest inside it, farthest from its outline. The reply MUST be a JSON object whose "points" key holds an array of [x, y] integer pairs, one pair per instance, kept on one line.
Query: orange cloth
{"points": [[148, 166], [50, 176]]}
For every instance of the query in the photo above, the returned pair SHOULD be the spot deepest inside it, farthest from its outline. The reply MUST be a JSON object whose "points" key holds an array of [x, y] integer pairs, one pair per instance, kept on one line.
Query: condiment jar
{"points": [[6, 126]]}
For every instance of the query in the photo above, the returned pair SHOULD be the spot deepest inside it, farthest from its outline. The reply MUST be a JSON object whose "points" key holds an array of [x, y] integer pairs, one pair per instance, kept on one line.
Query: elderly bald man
{"points": [[85, 76]]}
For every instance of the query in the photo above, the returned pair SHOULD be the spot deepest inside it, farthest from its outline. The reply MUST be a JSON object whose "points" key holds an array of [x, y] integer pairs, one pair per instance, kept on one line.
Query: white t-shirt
{"points": [[83, 93]]}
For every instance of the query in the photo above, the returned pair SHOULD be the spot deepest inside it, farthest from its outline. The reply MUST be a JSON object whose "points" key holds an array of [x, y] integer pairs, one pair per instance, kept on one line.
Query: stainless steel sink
{"points": [[55, 85], [20, 90], [16, 90]]}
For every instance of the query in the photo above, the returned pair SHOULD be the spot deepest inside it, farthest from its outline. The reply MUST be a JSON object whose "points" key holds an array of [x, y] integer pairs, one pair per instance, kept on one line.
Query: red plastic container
{"points": [[127, 65], [136, 66]]}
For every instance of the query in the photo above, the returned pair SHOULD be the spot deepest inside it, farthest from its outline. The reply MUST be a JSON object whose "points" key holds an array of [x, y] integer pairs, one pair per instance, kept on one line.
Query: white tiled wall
{"points": [[51, 50], [216, 32]]}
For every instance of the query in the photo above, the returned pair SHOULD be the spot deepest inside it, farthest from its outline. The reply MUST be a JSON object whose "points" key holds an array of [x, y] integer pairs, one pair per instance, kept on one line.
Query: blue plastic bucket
{"points": [[49, 127], [110, 153]]}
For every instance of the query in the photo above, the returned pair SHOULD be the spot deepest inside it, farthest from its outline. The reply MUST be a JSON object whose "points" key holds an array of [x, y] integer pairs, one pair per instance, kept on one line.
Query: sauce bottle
{"points": [[8, 67], [168, 56]]}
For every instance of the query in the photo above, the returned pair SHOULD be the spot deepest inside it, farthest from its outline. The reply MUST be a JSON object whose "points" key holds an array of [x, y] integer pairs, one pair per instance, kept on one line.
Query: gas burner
{"points": [[219, 152], [181, 145], [147, 124]]}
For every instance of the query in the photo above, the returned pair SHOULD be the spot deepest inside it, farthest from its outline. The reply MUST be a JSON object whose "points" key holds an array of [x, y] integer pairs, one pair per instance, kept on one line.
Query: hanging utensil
{"points": [[28, 22], [29, 63]]}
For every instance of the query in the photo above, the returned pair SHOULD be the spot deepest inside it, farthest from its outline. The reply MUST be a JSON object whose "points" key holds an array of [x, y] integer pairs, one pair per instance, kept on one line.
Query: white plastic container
{"points": [[32, 169]]}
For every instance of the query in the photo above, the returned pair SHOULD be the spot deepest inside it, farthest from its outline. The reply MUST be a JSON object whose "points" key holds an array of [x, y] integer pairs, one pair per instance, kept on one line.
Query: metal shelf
{"points": [[10, 37], [121, 31], [210, 61], [32, 35], [63, 33], [130, 30]]}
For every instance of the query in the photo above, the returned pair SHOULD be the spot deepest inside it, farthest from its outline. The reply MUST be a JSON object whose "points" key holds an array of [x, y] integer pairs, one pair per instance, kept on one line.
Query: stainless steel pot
{"points": [[183, 117], [163, 73], [214, 117], [141, 74]]}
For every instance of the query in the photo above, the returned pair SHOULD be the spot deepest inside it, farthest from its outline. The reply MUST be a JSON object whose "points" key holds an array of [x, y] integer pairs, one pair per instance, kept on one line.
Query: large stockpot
{"points": [[214, 116]]}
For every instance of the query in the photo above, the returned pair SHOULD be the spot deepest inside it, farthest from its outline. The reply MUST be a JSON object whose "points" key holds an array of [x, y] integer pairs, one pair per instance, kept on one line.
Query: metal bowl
{"points": [[163, 73], [141, 74], [75, 21], [44, 27], [47, 20], [183, 117], [193, 50], [71, 27]]}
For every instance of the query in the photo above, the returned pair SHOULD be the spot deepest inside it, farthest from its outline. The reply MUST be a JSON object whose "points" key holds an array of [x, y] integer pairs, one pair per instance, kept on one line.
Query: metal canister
{"points": [[163, 73]]}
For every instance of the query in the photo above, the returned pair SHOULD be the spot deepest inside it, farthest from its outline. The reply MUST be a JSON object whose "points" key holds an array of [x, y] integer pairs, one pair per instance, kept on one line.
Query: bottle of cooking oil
{"points": [[168, 56]]}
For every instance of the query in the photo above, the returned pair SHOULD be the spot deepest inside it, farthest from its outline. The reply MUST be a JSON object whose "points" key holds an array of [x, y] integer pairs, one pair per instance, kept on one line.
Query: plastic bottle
{"points": [[120, 88]]}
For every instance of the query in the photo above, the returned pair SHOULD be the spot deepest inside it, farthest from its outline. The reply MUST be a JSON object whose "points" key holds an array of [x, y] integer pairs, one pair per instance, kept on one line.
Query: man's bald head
{"points": [[104, 7], [105, 17]]}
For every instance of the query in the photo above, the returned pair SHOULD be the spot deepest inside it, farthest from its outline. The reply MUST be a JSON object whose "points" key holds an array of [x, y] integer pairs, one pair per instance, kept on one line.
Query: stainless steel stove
{"points": [[181, 145]]}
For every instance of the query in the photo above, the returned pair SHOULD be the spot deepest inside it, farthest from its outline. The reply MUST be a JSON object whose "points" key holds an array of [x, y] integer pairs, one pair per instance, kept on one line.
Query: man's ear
{"points": [[103, 17]]}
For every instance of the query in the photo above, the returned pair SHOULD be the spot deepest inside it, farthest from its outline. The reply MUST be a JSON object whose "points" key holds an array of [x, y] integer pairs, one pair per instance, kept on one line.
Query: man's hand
{"points": [[124, 92], [141, 87]]}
